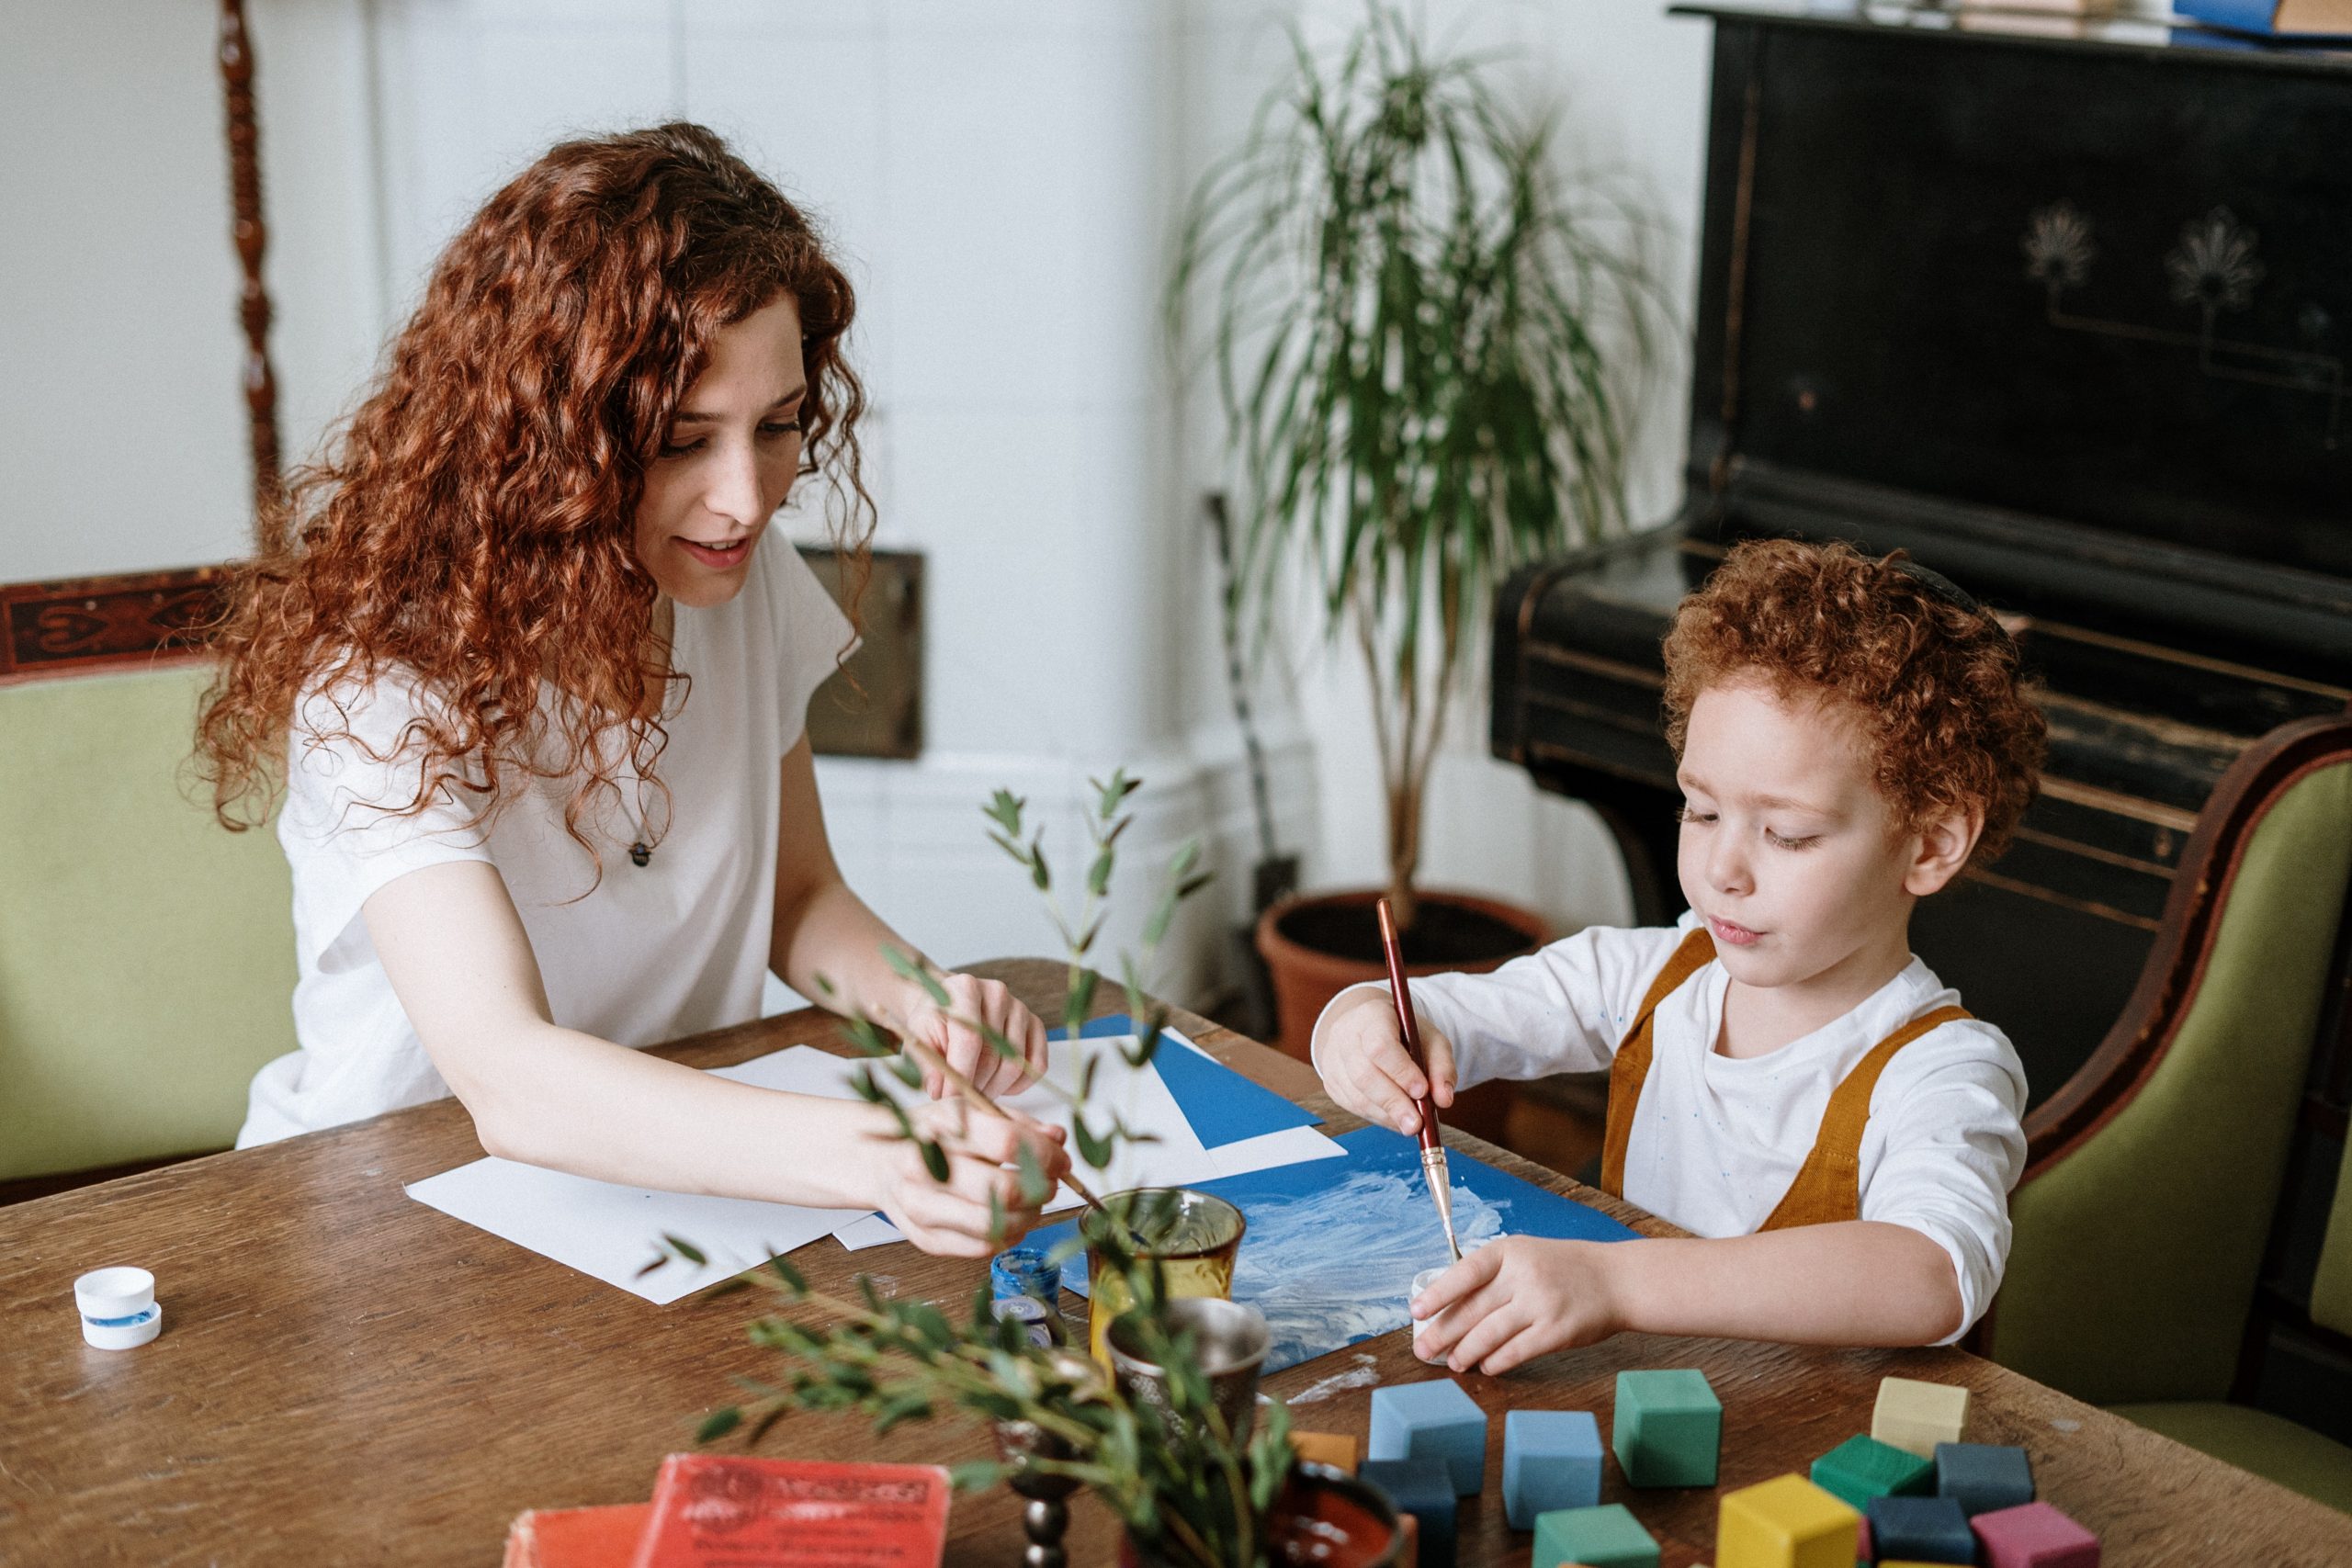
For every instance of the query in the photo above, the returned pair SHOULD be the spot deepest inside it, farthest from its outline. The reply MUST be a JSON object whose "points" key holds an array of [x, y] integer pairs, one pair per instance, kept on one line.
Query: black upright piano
{"points": [[2069, 320]]}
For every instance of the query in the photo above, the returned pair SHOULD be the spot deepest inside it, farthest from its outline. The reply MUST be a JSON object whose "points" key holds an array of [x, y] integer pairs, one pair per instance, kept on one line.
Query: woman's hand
{"points": [[954, 1218], [954, 1031], [1362, 1057], [1517, 1298]]}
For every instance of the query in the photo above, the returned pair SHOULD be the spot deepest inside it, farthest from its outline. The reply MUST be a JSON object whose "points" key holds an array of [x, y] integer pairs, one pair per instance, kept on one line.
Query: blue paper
{"points": [[1333, 1243], [1222, 1106]]}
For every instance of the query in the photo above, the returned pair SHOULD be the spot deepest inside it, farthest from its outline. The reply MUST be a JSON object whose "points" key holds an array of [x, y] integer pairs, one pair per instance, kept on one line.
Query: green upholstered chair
{"points": [[2184, 1248], [146, 953]]}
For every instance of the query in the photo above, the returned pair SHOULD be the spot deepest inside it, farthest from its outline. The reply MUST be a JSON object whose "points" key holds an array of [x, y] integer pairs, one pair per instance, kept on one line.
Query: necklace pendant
{"points": [[640, 853]]}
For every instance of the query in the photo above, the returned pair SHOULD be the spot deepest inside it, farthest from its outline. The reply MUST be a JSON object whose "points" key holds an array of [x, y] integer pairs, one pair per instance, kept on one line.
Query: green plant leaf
{"points": [[1079, 1000], [717, 1424], [912, 969], [934, 1158], [789, 1276], [1034, 1187], [685, 1249], [905, 1069], [976, 1474], [1091, 1150]]}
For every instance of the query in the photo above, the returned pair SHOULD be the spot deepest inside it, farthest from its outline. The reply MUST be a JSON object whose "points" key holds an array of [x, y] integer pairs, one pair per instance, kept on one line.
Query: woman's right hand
{"points": [[1362, 1057], [952, 1218]]}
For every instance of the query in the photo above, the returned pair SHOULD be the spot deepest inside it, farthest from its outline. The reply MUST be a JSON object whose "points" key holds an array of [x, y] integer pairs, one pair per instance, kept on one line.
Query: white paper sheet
{"points": [[610, 1232], [1176, 1162]]}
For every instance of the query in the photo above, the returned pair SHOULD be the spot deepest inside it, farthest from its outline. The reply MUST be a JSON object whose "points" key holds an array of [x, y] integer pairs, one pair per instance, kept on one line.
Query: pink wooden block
{"points": [[2035, 1535], [1862, 1552]]}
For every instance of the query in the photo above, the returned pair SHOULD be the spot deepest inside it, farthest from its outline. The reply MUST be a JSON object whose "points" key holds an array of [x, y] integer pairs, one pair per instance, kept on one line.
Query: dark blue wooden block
{"points": [[1423, 1488], [1982, 1477], [1920, 1529]]}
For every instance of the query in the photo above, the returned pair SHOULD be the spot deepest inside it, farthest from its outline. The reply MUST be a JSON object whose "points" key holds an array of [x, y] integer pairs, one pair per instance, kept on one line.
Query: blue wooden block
{"points": [[1423, 1488], [1920, 1529], [1982, 1477], [1431, 1420], [1551, 1459]]}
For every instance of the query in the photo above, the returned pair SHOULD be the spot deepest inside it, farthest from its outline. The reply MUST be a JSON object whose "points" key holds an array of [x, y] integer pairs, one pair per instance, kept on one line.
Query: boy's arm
{"points": [[1862, 1282], [1558, 1010]]}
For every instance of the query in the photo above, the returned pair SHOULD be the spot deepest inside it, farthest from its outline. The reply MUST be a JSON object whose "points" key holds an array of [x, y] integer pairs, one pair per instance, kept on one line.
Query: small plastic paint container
{"points": [[1422, 1281], [119, 1307], [1031, 1313], [1025, 1272]]}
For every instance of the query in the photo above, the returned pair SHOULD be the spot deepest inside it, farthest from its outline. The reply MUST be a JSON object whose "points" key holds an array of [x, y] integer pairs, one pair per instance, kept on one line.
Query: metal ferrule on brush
{"points": [[1442, 1190]]}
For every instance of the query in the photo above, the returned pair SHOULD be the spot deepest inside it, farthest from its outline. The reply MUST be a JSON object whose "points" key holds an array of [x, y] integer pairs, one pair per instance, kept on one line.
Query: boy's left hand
{"points": [[1517, 1298]]}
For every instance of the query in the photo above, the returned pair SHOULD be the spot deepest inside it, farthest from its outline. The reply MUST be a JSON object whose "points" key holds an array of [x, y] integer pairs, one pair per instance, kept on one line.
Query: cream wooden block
{"points": [[1915, 1416]]}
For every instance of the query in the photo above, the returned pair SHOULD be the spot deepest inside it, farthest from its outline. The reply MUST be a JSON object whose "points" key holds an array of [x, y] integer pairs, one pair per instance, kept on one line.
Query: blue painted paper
{"points": [[1222, 1106], [1332, 1245]]}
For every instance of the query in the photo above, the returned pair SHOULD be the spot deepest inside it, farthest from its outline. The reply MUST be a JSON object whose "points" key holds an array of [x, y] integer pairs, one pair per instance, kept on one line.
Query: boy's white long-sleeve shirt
{"points": [[1717, 1141]]}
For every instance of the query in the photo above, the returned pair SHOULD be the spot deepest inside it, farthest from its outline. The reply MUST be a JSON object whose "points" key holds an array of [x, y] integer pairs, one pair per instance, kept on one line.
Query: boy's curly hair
{"points": [[1932, 680]]}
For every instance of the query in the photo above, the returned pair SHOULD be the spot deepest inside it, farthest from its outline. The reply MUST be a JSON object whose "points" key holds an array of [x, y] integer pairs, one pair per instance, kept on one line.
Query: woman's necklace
{"points": [[640, 852]]}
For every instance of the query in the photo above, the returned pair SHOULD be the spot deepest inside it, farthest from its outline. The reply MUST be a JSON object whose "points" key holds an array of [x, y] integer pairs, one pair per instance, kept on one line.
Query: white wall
{"points": [[1003, 180]]}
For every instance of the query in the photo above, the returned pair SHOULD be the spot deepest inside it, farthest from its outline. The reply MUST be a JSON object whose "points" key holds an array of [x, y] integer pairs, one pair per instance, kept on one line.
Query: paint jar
{"points": [[1422, 1281], [119, 1307], [1037, 1321]]}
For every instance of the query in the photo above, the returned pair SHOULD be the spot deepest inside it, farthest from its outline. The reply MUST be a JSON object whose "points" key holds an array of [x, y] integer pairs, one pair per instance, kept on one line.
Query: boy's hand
{"points": [[1517, 1298], [1364, 1068]]}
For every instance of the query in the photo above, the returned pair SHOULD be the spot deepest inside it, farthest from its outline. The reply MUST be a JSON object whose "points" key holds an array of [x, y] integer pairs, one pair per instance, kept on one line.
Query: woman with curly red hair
{"points": [[1786, 1080], [538, 680]]}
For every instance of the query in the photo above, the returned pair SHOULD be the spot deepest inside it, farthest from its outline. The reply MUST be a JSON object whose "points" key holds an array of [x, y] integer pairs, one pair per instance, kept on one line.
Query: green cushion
{"points": [[2135, 1256], [146, 953], [2271, 1446], [2332, 1289]]}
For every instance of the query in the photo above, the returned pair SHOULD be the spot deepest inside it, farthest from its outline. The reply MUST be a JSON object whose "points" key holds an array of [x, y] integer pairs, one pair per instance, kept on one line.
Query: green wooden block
{"points": [[1862, 1468], [1667, 1428], [1606, 1537]]}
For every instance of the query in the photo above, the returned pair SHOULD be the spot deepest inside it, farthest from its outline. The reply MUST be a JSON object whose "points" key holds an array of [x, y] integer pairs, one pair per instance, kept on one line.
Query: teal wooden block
{"points": [[1550, 1461], [1606, 1537], [1667, 1429], [1431, 1420], [1862, 1468]]}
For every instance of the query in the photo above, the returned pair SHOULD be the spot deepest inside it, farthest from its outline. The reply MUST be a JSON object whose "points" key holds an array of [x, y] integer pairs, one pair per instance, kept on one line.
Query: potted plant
{"points": [[1191, 1485], [1410, 318]]}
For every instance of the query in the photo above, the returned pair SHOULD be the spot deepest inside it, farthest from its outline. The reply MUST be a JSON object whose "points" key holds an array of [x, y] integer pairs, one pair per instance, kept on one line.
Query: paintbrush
{"points": [[1432, 1146]]}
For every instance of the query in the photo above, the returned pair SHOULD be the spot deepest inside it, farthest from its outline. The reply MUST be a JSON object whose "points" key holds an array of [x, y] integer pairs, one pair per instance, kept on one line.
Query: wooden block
{"points": [[1984, 1477], [1550, 1461], [1786, 1522], [1862, 1468], [1920, 1529], [1667, 1428], [577, 1538], [2034, 1535], [1337, 1450], [1915, 1416], [1422, 1489], [1606, 1537], [1431, 1420]]}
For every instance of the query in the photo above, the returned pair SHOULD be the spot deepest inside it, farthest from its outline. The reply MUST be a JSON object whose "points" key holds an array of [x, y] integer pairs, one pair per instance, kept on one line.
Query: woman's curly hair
{"points": [[471, 525], [1932, 680]]}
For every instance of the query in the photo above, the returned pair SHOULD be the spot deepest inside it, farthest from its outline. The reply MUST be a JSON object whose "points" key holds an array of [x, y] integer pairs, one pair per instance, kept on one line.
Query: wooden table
{"points": [[346, 1376]]}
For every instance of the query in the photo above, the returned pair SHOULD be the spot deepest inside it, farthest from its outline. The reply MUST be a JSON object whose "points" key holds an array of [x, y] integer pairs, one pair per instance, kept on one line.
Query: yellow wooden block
{"points": [[1786, 1522], [1915, 1416], [1337, 1450]]}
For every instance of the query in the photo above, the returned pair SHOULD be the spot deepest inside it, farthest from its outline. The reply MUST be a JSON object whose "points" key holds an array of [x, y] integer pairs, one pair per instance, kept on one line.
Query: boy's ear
{"points": [[1942, 847]]}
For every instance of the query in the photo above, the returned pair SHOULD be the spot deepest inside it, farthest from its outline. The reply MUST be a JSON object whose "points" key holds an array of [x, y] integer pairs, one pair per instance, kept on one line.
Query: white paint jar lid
{"points": [[117, 1307]]}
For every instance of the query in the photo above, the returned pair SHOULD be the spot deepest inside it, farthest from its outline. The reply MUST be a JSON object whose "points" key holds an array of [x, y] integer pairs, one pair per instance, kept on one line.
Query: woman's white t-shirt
{"points": [[648, 954], [1717, 1141]]}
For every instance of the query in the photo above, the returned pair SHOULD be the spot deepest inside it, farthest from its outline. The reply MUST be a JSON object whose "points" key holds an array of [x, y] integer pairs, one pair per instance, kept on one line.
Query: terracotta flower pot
{"points": [[1472, 935]]}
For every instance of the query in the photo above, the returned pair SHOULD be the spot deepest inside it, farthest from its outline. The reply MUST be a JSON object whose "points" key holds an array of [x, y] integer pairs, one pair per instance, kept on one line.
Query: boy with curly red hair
{"points": [[1786, 1080]]}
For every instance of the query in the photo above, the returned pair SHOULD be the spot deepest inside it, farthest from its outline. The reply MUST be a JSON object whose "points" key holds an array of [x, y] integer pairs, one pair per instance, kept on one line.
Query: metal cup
{"points": [[1229, 1343]]}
